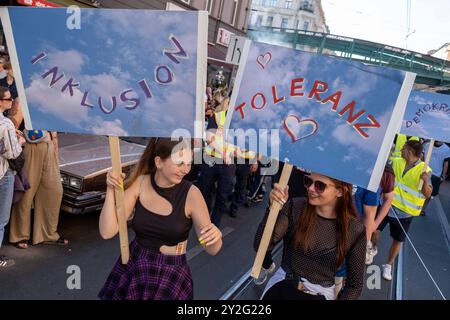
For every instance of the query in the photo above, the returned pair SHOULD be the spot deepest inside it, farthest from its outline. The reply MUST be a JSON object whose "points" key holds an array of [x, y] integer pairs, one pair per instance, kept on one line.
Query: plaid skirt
{"points": [[149, 275]]}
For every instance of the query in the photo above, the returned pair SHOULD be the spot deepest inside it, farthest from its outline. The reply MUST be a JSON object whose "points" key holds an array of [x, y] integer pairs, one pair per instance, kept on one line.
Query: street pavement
{"points": [[41, 271]]}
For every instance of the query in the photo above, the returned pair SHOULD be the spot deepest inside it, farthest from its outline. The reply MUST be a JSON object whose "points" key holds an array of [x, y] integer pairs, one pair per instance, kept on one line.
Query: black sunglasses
{"points": [[7, 99], [319, 186]]}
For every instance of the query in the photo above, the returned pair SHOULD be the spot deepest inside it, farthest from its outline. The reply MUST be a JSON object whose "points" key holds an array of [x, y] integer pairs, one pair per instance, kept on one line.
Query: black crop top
{"points": [[154, 230]]}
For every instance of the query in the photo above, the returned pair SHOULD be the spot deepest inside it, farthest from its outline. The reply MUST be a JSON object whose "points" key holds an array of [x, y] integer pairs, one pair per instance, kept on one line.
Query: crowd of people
{"points": [[29, 175], [329, 228]]}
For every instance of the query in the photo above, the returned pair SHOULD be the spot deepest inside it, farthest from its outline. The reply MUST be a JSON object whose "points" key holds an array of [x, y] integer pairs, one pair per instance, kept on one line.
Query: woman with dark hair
{"points": [[320, 233], [163, 207], [10, 148]]}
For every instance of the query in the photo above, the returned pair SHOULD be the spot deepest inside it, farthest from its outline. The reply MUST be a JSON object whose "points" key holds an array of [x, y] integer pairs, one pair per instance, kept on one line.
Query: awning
{"points": [[217, 57]]}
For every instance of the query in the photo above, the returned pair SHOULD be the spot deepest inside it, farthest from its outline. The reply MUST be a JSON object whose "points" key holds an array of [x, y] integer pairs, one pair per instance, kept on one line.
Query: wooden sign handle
{"points": [[119, 195], [427, 160], [270, 224]]}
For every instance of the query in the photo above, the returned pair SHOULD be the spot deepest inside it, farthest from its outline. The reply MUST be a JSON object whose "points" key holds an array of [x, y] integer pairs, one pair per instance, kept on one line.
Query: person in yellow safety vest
{"points": [[399, 143], [219, 167], [408, 198]]}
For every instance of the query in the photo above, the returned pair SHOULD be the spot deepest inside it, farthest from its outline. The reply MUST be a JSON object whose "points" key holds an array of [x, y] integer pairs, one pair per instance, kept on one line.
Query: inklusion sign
{"points": [[109, 72]]}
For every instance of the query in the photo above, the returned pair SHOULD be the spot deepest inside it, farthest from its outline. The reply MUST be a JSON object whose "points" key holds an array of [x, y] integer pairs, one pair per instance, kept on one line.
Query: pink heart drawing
{"points": [[263, 60], [297, 129]]}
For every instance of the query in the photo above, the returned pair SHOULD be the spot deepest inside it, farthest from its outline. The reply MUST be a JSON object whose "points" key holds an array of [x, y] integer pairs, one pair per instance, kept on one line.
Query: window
{"points": [[306, 25], [235, 7], [186, 1], [209, 5], [269, 21], [284, 23], [288, 4], [273, 3], [259, 20], [307, 6]]}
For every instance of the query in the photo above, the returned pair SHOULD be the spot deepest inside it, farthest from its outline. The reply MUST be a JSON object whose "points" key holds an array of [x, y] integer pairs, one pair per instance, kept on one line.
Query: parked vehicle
{"points": [[84, 162]]}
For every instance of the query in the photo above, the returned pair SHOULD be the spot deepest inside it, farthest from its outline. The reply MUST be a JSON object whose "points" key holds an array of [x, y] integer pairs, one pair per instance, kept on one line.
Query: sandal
{"points": [[60, 242], [22, 244]]}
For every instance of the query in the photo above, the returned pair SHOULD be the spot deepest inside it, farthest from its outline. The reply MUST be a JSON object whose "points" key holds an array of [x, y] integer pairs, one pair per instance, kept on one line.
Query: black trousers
{"points": [[224, 175], [240, 189]]}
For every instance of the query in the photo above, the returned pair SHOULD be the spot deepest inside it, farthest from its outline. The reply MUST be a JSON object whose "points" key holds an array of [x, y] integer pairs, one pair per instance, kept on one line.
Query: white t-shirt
{"points": [[438, 155]]}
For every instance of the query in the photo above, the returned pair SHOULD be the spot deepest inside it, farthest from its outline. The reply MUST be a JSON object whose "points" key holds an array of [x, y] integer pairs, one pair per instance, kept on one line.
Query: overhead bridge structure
{"points": [[431, 71]]}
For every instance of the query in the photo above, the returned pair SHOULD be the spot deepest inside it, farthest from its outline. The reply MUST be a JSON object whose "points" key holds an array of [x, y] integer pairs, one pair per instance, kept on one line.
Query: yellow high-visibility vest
{"points": [[220, 118], [400, 142], [407, 196]]}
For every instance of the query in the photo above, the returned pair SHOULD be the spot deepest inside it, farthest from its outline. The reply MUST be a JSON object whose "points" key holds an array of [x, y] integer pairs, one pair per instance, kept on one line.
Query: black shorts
{"points": [[396, 230]]}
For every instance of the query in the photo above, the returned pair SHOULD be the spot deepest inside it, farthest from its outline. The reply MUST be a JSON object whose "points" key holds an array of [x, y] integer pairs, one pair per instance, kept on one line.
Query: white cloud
{"points": [[348, 136], [101, 127], [69, 61], [103, 85], [52, 101]]}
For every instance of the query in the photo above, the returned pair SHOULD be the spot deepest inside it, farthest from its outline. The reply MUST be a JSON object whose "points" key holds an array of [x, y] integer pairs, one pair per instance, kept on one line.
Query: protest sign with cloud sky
{"points": [[427, 116], [123, 72], [335, 116]]}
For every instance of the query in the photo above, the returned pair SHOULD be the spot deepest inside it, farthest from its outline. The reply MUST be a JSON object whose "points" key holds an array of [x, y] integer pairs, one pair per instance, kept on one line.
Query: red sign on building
{"points": [[38, 3]]}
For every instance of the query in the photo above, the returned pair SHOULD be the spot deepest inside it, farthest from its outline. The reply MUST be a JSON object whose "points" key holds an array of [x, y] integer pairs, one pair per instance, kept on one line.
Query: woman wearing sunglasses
{"points": [[320, 232]]}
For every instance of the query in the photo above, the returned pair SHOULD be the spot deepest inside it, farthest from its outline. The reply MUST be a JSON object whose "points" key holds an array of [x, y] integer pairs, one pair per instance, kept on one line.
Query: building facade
{"points": [[305, 15], [443, 52], [226, 17]]}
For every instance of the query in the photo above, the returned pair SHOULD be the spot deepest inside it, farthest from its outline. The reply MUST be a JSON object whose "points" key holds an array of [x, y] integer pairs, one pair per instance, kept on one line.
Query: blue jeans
{"points": [[6, 197]]}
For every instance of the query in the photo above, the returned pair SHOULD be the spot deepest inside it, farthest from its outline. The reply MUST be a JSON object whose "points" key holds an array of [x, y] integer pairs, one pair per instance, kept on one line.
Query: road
{"points": [[41, 271]]}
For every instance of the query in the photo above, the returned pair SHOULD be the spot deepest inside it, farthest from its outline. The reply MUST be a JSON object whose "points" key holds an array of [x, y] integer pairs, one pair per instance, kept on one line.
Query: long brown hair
{"points": [[156, 147], [345, 210]]}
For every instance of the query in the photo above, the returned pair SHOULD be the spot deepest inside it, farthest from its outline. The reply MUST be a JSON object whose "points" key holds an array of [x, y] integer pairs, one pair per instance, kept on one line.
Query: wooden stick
{"points": [[427, 160], [270, 224], [114, 148]]}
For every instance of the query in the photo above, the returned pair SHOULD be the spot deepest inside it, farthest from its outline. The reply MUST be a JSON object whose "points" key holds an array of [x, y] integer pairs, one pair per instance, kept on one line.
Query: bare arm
{"points": [[427, 189], [108, 225], [369, 219], [208, 234], [388, 197]]}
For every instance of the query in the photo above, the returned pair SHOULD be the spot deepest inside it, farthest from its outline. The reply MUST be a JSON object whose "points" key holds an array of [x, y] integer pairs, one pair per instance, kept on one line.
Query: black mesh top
{"points": [[318, 264]]}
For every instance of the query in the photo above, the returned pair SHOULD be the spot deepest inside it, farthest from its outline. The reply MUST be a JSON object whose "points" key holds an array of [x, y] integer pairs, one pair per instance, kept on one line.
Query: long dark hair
{"points": [[345, 210], [156, 147]]}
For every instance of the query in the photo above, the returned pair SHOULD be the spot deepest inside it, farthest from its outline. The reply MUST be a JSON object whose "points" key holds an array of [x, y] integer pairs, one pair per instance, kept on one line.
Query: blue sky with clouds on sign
{"points": [[112, 52], [336, 149], [427, 115]]}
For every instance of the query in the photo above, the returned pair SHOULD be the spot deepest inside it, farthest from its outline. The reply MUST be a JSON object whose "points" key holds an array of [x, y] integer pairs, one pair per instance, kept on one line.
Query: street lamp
{"points": [[407, 36]]}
